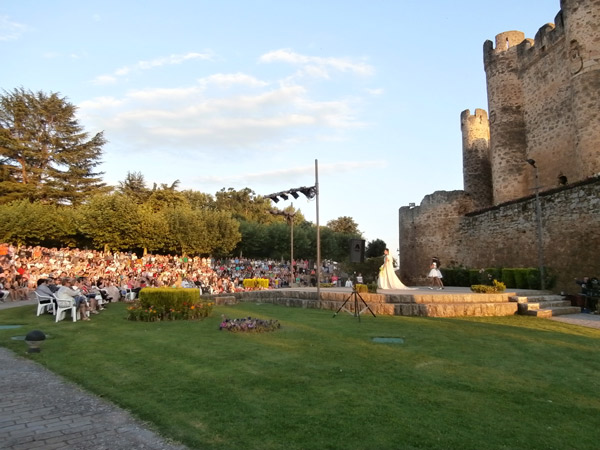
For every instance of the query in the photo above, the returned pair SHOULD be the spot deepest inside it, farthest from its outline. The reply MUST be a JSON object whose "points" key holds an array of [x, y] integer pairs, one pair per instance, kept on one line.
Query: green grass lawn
{"points": [[323, 383]]}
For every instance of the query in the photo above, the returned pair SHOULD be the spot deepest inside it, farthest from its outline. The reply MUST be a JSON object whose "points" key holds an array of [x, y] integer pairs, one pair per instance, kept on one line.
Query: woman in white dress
{"points": [[387, 277], [435, 274]]}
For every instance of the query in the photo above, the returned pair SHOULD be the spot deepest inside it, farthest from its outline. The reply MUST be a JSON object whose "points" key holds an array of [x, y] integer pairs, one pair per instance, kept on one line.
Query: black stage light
{"points": [[283, 195], [294, 194]]}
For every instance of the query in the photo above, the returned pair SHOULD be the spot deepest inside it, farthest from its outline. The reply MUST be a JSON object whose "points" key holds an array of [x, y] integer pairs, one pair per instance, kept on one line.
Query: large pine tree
{"points": [[45, 154]]}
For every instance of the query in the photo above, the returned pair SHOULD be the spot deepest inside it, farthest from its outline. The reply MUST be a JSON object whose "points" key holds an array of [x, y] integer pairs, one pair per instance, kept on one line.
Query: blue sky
{"points": [[249, 93]]}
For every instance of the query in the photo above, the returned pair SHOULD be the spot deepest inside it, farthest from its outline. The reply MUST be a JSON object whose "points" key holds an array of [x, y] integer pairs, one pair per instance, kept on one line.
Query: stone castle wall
{"points": [[571, 233], [506, 235]]}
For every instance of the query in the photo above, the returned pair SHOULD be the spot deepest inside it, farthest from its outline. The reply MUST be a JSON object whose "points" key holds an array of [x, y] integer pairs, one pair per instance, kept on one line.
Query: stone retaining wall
{"points": [[428, 305]]}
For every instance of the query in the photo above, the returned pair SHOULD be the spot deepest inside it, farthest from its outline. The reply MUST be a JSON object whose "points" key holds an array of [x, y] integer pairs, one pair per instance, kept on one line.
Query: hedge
{"points": [[513, 278]]}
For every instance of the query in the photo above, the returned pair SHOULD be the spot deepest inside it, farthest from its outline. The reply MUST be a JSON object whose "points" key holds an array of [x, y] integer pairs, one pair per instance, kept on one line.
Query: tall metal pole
{"points": [[292, 278], [540, 242], [318, 233]]}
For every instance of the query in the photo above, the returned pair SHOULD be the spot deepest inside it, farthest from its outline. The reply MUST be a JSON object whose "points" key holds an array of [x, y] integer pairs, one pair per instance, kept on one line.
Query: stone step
{"points": [[535, 298], [543, 304], [539, 298], [555, 311]]}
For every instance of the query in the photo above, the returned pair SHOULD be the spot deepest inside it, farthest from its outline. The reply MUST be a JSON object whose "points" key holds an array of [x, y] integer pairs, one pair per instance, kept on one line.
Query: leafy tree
{"points": [[112, 222], [344, 225], [27, 223], [200, 232], [199, 200], [223, 231], [244, 205], [44, 153], [278, 234], [134, 187], [253, 240], [375, 248], [166, 197]]}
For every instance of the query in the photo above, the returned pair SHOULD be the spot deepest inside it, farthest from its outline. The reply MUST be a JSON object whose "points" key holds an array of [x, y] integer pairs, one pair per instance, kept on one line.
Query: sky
{"points": [[259, 93]]}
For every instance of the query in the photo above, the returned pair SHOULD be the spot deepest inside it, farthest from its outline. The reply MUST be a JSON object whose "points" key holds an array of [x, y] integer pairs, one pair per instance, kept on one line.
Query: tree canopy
{"points": [[345, 225]]}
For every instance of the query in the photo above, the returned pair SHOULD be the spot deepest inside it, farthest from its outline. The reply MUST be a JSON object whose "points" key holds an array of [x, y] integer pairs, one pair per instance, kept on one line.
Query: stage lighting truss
{"points": [[309, 192]]}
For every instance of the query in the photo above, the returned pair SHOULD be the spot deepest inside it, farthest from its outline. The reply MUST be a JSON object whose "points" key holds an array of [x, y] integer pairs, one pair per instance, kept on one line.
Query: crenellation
{"points": [[545, 36]]}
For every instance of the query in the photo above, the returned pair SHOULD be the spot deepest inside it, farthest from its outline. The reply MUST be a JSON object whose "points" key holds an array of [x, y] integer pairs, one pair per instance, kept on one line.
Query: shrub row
{"points": [[156, 304], [519, 278]]}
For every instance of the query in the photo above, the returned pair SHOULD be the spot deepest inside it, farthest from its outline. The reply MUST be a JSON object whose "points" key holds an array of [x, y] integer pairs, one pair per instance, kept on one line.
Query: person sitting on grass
{"points": [[68, 293]]}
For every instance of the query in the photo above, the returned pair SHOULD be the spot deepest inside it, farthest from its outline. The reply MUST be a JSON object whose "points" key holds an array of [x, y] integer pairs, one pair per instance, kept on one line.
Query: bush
{"points": [[508, 278], [256, 283], [474, 277], [496, 286], [372, 288], [456, 276], [521, 279], [361, 288], [534, 279], [155, 304]]}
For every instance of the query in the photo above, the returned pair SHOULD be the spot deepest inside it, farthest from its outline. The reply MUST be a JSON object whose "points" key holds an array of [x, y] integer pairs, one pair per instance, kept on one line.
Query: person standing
{"points": [[435, 274], [387, 276]]}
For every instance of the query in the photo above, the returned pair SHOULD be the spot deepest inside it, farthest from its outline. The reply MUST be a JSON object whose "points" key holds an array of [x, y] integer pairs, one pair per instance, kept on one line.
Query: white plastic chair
{"points": [[45, 303], [63, 306]]}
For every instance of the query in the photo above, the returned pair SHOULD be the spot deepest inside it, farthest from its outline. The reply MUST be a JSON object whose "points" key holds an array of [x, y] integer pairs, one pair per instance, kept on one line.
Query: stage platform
{"points": [[419, 301]]}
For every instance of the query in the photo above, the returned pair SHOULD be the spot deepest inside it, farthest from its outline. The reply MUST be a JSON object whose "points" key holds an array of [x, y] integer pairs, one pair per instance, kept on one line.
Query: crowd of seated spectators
{"points": [[118, 275]]}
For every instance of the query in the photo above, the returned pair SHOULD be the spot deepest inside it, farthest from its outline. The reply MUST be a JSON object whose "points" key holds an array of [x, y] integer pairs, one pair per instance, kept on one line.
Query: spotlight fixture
{"points": [[283, 195], [308, 192], [294, 194], [274, 198]]}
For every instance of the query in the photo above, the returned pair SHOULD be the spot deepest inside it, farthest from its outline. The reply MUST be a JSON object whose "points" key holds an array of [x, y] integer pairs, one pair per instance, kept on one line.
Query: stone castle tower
{"points": [[543, 105]]}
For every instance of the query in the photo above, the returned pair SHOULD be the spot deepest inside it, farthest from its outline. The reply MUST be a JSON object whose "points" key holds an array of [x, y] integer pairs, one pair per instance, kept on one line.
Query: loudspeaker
{"points": [[357, 250]]}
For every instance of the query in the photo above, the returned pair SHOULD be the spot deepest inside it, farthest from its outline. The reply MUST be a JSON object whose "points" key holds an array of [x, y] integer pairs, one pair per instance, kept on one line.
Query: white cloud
{"points": [[153, 63], [9, 30], [316, 65], [229, 79], [192, 119], [100, 103], [289, 175], [375, 91], [104, 79], [226, 111]]}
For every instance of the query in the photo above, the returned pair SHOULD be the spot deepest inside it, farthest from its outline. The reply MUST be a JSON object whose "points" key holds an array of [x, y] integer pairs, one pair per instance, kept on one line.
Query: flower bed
{"points": [[249, 325]]}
